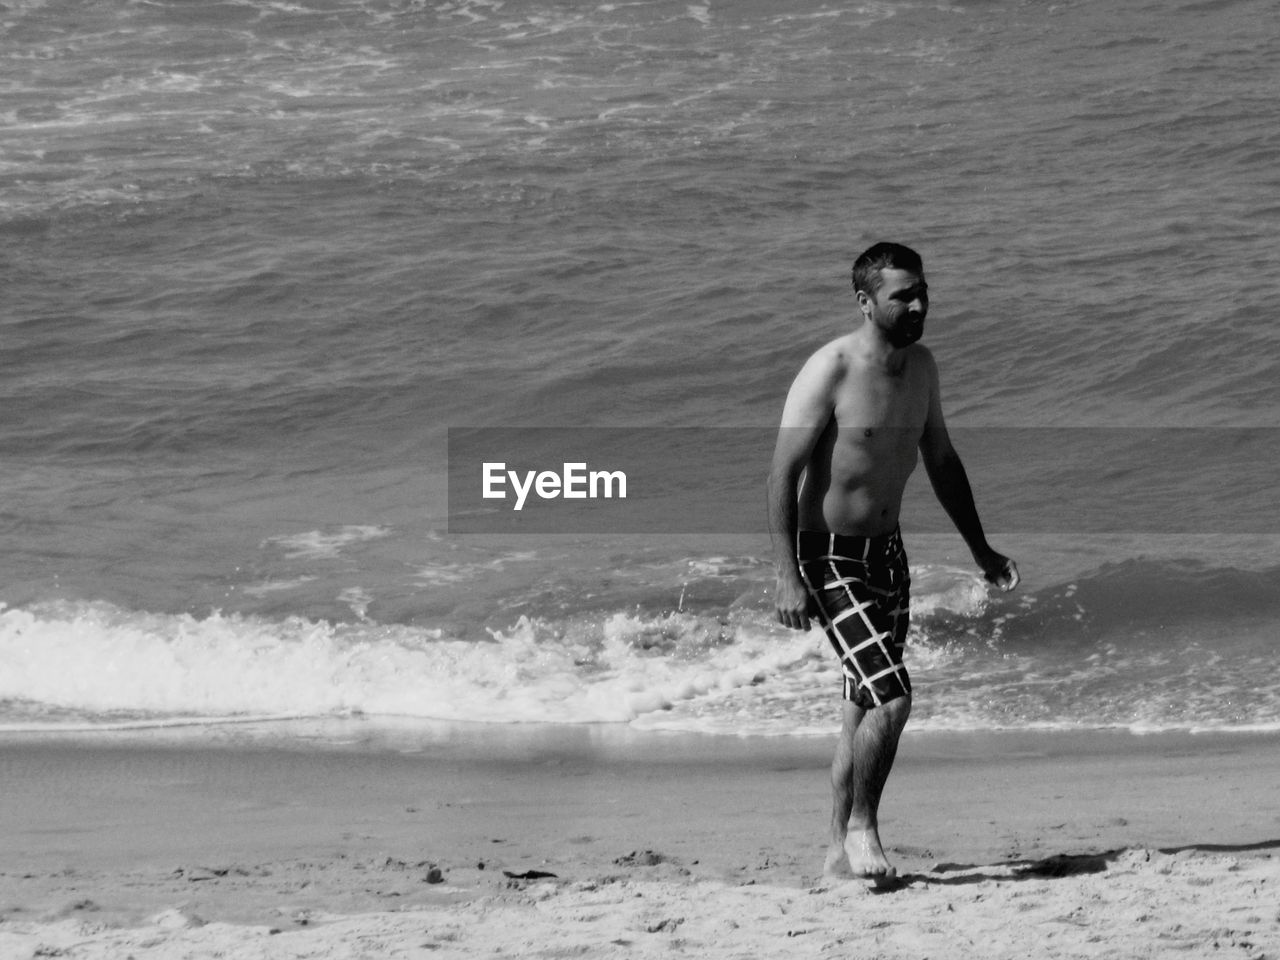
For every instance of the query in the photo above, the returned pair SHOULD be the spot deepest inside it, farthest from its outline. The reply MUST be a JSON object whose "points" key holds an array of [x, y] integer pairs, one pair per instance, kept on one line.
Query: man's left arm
{"points": [[951, 485]]}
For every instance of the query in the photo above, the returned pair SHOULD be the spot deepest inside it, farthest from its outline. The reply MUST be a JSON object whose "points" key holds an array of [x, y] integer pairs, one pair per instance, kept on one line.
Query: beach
{"points": [[560, 841], [291, 285]]}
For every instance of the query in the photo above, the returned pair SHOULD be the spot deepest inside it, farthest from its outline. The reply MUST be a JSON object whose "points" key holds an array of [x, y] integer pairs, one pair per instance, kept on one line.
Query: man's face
{"points": [[899, 306]]}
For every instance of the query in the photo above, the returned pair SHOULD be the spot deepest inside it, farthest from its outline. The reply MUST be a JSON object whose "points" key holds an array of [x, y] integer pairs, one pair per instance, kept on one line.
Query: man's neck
{"points": [[873, 349]]}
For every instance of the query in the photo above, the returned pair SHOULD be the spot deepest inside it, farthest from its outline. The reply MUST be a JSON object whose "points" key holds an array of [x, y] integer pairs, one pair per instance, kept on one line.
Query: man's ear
{"points": [[864, 301]]}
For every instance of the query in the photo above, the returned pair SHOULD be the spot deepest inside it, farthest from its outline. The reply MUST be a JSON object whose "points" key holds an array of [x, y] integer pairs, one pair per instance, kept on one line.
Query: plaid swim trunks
{"points": [[862, 591]]}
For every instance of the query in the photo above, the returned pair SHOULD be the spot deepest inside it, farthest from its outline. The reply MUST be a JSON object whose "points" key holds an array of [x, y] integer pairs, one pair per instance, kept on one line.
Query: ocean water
{"points": [[261, 255]]}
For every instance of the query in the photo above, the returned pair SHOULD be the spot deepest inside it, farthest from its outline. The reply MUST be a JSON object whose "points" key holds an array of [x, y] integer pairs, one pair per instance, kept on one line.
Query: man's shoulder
{"points": [[822, 374], [832, 358]]}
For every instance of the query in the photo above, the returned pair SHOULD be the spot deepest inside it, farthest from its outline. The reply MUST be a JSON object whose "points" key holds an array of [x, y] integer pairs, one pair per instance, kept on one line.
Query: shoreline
{"points": [[618, 740], [180, 840]]}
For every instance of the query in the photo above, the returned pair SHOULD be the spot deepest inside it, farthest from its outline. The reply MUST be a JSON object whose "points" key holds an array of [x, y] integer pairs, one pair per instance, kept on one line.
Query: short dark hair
{"points": [[866, 269]]}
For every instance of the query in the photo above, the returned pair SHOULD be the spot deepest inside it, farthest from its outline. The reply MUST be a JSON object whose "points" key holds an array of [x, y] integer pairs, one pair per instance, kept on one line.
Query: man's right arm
{"points": [[806, 414]]}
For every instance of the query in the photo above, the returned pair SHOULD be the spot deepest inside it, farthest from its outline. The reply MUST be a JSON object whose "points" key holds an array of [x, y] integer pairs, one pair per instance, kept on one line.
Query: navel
{"points": [[868, 432]]}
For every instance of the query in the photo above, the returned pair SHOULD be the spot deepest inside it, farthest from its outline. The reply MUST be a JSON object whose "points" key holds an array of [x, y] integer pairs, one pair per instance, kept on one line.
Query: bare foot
{"points": [[837, 863], [866, 857]]}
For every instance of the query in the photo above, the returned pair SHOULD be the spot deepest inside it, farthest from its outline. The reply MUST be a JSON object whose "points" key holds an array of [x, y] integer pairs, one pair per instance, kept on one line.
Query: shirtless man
{"points": [[855, 417]]}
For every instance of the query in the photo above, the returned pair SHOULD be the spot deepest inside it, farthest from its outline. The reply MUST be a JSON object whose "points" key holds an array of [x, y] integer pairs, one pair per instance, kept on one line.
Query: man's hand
{"points": [[792, 603], [999, 569]]}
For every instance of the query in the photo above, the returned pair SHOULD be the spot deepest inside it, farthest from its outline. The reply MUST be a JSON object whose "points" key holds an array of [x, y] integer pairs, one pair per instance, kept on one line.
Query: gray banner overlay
{"points": [[1161, 480]]}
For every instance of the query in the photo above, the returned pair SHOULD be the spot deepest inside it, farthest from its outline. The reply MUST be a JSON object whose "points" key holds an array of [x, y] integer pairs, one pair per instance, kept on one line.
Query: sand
{"points": [[601, 842]]}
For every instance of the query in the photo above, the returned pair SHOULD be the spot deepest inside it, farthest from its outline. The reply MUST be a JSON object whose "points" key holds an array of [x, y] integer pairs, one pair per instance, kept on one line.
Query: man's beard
{"points": [[904, 334]]}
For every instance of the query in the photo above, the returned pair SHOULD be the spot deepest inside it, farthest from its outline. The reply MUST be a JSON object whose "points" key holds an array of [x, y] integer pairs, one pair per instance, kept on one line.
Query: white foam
{"points": [[100, 660], [105, 662], [275, 586], [738, 672], [443, 573], [358, 599], [939, 589], [318, 545]]}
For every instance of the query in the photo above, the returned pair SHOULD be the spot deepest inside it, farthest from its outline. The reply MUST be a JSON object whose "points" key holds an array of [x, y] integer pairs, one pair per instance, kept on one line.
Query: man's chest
{"points": [[882, 402]]}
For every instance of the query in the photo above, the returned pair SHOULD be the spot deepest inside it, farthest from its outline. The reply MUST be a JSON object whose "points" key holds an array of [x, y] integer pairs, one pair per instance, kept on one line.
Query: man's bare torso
{"points": [[854, 480]]}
